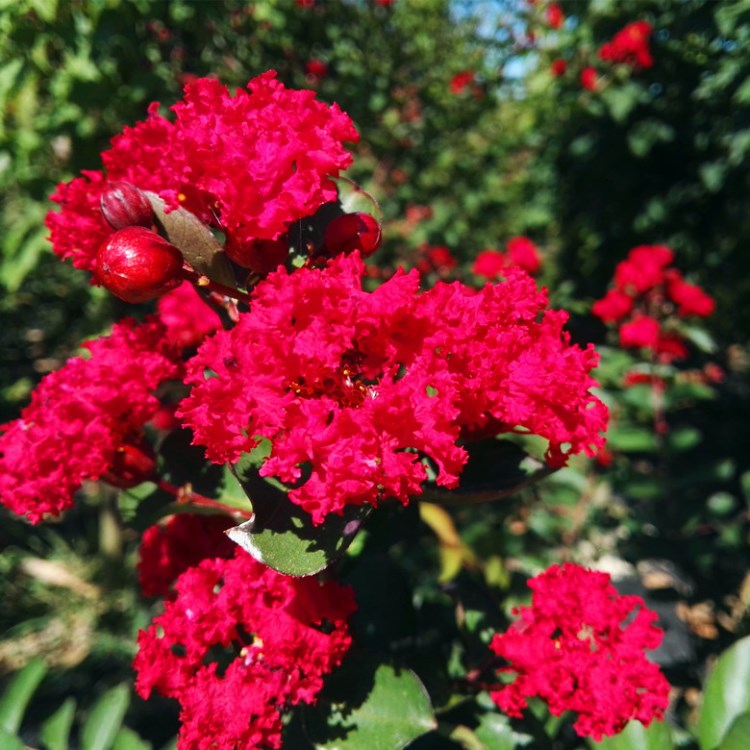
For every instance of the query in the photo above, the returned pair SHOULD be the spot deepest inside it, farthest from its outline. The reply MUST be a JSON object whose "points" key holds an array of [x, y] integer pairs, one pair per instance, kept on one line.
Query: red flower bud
{"points": [[131, 465], [124, 205], [351, 232], [261, 256], [137, 265]]}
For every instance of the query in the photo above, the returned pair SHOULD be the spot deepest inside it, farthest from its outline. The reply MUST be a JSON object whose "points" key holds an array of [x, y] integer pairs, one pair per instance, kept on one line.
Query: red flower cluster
{"points": [[521, 252], [629, 46], [183, 542], [438, 259], [554, 15], [558, 67], [186, 317], [316, 69], [250, 164], [461, 81], [360, 386], [85, 421], [580, 647], [646, 291], [589, 78], [285, 635]]}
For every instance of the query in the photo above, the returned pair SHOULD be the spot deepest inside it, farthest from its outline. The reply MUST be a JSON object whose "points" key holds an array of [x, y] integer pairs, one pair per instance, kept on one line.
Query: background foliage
{"points": [[649, 156]]}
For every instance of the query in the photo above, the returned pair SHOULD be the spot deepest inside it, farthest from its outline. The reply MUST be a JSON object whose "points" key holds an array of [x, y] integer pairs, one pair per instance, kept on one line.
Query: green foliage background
{"points": [[654, 156]]}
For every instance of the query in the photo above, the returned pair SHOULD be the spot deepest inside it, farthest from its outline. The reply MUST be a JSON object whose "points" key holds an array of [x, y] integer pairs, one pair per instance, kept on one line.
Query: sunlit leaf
{"points": [[727, 694], [370, 707], [56, 729], [18, 694], [637, 737], [282, 535], [105, 719]]}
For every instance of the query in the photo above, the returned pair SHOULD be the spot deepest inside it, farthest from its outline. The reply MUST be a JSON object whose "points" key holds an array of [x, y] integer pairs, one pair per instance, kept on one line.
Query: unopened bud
{"points": [[124, 205], [138, 265], [261, 256], [351, 232], [131, 465]]}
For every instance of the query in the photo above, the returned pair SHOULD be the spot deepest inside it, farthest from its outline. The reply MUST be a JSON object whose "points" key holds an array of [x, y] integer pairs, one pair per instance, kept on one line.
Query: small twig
{"points": [[186, 496]]}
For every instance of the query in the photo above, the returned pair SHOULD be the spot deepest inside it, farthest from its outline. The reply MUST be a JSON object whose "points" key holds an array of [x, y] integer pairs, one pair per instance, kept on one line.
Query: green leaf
{"points": [[9, 741], [367, 706], [105, 719], [281, 535], [727, 694], [738, 736], [701, 338], [230, 491], [496, 733], [56, 729], [621, 100], [684, 438], [637, 737], [18, 694], [195, 240], [127, 739], [631, 439], [47, 9]]}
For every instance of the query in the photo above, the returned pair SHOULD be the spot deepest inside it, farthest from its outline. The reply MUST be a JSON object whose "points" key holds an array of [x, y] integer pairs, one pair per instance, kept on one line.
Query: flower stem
{"points": [[202, 281], [186, 496]]}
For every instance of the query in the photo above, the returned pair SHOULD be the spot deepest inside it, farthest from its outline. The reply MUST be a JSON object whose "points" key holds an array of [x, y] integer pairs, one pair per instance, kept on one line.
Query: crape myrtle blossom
{"points": [[521, 251], [183, 541], [249, 164], [186, 317], [360, 386], [647, 292], [630, 46], [283, 635], [580, 647], [85, 421]]}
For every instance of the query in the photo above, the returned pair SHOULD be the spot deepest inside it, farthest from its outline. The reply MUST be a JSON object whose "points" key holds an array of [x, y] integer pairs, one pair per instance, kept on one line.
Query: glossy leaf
{"points": [[56, 729], [738, 735], [105, 719], [637, 737], [370, 707], [194, 239], [9, 741], [281, 535], [496, 733], [726, 695], [127, 739], [18, 694]]}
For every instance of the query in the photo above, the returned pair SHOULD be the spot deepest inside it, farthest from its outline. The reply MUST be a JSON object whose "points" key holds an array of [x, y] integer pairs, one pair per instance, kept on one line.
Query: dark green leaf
{"points": [[370, 707], [56, 729], [496, 470], [637, 737], [18, 694], [105, 719], [281, 535], [727, 694]]}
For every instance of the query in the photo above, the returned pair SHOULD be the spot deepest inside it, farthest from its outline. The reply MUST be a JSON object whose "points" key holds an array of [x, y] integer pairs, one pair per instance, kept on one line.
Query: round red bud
{"points": [[131, 465], [351, 232], [138, 265], [124, 205], [261, 256]]}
